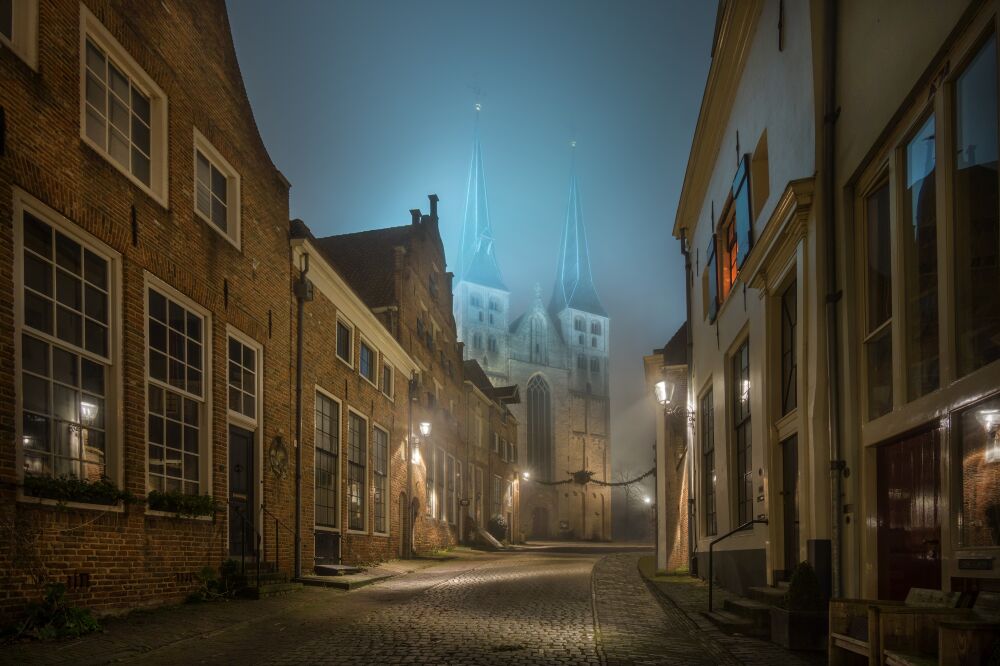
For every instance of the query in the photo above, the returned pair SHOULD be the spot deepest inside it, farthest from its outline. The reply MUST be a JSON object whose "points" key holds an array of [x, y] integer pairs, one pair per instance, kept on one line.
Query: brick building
{"points": [[144, 314]]}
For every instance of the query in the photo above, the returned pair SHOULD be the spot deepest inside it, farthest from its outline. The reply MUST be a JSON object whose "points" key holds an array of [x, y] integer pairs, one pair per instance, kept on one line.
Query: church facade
{"points": [[558, 356]]}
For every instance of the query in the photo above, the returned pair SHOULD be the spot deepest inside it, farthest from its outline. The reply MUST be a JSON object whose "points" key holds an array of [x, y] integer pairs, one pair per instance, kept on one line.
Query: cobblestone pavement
{"points": [[508, 608]]}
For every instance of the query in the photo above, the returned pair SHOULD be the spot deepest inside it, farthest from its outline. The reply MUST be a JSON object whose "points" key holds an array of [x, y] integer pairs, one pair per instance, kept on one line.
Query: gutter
{"points": [[689, 344], [303, 293]]}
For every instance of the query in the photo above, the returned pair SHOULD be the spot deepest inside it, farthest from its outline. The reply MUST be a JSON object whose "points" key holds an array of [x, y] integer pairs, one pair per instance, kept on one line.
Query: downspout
{"points": [[686, 251], [830, 113], [303, 293], [408, 527]]}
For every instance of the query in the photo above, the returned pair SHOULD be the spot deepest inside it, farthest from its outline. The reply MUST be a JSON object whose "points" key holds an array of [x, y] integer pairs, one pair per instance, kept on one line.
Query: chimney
{"points": [[434, 206], [415, 215]]}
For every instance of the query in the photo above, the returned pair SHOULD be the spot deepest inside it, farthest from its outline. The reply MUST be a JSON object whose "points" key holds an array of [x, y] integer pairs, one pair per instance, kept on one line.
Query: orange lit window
{"points": [[728, 265]]}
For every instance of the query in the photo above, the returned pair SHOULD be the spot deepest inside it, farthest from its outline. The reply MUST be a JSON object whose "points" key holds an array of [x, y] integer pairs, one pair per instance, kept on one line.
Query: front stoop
{"points": [[761, 616], [270, 590]]}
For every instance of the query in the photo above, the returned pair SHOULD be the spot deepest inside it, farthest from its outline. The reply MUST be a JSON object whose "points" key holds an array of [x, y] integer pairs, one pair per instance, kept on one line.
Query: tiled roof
{"points": [[365, 260], [675, 351]]}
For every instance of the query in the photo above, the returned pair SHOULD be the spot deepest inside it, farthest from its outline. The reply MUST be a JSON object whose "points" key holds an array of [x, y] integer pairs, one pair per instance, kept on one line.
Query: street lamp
{"points": [[664, 391], [647, 499], [425, 428], [525, 475], [990, 420]]}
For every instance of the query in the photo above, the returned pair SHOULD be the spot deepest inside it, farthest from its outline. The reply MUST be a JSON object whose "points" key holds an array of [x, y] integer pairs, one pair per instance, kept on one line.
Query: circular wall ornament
{"points": [[277, 456]]}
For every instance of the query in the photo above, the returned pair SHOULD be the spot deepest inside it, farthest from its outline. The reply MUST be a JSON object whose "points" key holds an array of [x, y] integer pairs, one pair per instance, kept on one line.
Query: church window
{"points": [[492, 344], [480, 315], [476, 300], [477, 341], [595, 328], [595, 365], [539, 399], [578, 324], [581, 362]]}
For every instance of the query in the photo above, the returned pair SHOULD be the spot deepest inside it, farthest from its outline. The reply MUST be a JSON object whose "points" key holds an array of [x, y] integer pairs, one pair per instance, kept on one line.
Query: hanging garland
{"points": [[583, 477]]}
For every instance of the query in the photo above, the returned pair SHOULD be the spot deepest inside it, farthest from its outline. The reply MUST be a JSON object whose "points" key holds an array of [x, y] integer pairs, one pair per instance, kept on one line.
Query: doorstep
{"points": [[348, 581]]}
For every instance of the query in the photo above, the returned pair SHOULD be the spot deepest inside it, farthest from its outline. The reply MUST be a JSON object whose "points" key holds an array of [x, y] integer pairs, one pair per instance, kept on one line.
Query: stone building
{"points": [[144, 314], [845, 358], [556, 354]]}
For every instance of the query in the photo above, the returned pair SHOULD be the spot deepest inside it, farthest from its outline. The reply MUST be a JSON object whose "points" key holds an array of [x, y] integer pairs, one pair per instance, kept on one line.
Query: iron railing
{"points": [[711, 546], [277, 524], [247, 528]]}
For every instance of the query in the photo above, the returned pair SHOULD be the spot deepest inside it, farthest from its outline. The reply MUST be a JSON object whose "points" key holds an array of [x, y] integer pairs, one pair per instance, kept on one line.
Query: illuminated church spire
{"points": [[574, 282], [477, 262]]}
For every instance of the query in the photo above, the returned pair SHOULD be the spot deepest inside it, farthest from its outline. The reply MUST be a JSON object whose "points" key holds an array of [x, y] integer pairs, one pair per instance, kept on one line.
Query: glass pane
{"points": [[37, 236], [176, 317], [879, 265], [194, 355], [119, 82], [37, 274], [119, 117], [140, 106], [36, 394], [203, 199], [157, 366], [35, 431], [95, 60], [96, 270], [979, 434], [879, 352], [95, 127], [140, 166], [96, 93], [96, 304], [218, 184], [34, 355], [64, 367], [157, 306], [96, 338], [68, 290], [235, 399], [118, 147], [64, 403], [977, 218], [194, 327], [69, 326], [92, 376], [68, 253], [140, 135], [38, 313], [203, 171], [219, 214]]}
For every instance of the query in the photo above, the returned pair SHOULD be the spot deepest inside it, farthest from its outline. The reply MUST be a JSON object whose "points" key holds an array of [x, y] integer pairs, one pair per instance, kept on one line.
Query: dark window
{"points": [[581, 362], [789, 365], [367, 364], [743, 222], [380, 478], [356, 471], [344, 342], [578, 324], [387, 379], [492, 343], [327, 455], [741, 433], [539, 428], [595, 328], [477, 341], [707, 418], [878, 331], [595, 365]]}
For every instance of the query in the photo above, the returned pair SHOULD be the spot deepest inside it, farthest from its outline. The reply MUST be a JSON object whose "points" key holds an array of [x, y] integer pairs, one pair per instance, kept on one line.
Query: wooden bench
{"points": [[958, 636], [855, 624]]}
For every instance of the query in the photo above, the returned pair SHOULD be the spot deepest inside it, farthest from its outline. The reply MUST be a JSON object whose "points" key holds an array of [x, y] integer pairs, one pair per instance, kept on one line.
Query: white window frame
{"points": [[113, 428], [234, 225], [344, 321], [338, 485], [386, 505], [238, 418], [207, 416], [24, 32], [375, 367], [366, 491], [388, 391], [92, 29]]}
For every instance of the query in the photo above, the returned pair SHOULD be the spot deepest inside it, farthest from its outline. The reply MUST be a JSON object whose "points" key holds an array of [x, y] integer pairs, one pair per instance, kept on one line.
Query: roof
{"points": [[675, 351], [477, 261], [475, 374], [508, 395], [365, 258]]}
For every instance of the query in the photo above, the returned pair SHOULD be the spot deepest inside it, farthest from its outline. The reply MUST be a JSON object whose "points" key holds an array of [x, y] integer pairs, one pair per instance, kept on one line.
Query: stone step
{"points": [[730, 623], [765, 594], [270, 590], [758, 613]]}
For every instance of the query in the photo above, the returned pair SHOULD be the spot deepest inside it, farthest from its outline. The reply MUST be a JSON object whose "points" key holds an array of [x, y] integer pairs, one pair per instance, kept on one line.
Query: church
{"points": [[556, 353]]}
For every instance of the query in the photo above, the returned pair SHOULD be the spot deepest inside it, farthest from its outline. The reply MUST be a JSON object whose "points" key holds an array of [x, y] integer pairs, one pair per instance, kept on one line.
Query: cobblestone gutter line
{"points": [[598, 638]]}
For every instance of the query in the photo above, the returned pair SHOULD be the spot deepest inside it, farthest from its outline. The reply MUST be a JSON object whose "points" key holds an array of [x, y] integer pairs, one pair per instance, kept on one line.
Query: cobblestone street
{"points": [[526, 608]]}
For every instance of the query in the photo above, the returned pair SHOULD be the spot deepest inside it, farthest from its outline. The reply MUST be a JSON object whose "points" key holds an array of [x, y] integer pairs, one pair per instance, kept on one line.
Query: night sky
{"points": [[367, 107]]}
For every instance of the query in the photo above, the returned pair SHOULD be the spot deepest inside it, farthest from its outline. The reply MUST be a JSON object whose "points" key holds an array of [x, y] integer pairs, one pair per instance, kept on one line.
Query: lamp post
{"points": [[413, 457]]}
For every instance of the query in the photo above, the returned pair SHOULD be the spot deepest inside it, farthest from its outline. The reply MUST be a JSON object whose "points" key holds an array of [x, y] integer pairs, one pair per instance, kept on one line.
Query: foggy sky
{"points": [[367, 107]]}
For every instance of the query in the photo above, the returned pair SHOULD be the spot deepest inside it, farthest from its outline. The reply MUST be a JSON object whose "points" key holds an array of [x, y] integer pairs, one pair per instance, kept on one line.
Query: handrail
{"points": [[277, 549], [245, 522], [711, 545]]}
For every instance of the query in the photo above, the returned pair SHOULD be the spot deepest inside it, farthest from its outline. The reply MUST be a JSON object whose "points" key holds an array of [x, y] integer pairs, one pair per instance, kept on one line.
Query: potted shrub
{"points": [[801, 622], [70, 489], [180, 504], [497, 528]]}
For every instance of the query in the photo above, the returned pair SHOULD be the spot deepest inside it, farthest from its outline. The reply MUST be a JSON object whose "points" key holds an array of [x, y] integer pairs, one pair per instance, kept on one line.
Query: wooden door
{"points": [[790, 501], [909, 519], [241, 486]]}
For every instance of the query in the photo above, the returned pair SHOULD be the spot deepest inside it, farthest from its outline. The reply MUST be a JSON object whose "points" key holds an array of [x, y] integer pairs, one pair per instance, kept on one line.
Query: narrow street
{"points": [[537, 607]]}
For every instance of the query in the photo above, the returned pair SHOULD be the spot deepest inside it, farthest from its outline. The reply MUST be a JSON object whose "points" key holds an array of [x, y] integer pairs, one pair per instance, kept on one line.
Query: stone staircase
{"points": [[751, 615], [268, 583]]}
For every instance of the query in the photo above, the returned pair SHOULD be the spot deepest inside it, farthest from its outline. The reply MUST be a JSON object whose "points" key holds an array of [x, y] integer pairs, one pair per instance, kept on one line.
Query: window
{"points": [[503, 449], [344, 350], [357, 461], [367, 362], [539, 429], [476, 300], [495, 442], [477, 341], [710, 284], [431, 494], [480, 315], [327, 447], [19, 29], [743, 223], [491, 319], [175, 393], [593, 342], [450, 497], [789, 365], [442, 480], [878, 288], [741, 433], [380, 478], [216, 190], [978, 429], [508, 496], [66, 359], [477, 424], [387, 379], [920, 269], [492, 344], [707, 418], [581, 339], [242, 379], [595, 328], [595, 365], [760, 177], [578, 324], [581, 362], [495, 305], [730, 249], [123, 112], [977, 212], [497, 489]]}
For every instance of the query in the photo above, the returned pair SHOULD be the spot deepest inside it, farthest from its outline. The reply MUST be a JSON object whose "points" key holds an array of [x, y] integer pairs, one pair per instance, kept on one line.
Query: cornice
{"points": [[786, 227]]}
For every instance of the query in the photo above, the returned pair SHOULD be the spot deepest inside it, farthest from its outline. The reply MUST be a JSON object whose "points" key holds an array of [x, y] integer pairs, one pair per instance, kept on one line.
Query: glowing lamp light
{"points": [[88, 411], [746, 390], [663, 392], [425, 428], [647, 499], [990, 419], [525, 475]]}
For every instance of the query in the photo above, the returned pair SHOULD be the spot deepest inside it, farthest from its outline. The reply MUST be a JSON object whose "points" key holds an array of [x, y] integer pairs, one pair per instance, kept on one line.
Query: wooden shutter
{"points": [[741, 202], [712, 271]]}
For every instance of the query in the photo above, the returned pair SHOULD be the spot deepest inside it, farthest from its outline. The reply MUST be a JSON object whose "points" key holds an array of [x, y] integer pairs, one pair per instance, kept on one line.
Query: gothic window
{"points": [[492, 344], [540, 440], [578, 324], [595, 328], [595, 365], [537, 341]]}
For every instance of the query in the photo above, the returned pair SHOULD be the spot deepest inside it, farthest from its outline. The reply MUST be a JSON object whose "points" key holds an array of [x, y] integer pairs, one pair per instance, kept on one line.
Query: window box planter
{"points": [[69, 489], [180, 504]]}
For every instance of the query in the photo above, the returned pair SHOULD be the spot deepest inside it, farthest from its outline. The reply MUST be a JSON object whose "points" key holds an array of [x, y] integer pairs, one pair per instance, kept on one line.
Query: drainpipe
{"points": [[303, 293], [830, 113], [408, 527], [686, 251]]}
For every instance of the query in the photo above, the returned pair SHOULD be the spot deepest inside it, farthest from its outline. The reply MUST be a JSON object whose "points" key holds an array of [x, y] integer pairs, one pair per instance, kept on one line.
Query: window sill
{"points": [[44, 501], [370, 382], [325, 528], [384, 535], [160, 198], [345, 362], [169, 514], [214, 227], [358, 532]]}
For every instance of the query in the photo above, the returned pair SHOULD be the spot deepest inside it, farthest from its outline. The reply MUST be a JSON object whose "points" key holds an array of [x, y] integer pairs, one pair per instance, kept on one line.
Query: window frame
{"points": [[338, 482], [363, 343], [114, 390], [385, 503], [366, 473], [346, 323], [93, 30], [234, 218], [23, 41], [706, 419], [207, 415], [238, 418], [742, 481], [387, 389]]}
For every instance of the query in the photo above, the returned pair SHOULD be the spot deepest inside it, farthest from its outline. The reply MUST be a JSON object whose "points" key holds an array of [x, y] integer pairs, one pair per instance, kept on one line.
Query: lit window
{"points": [[357, 463], [175, 394], [65, 352], [380, 478], [367, 362], [327, 457], [124, 112], [707, 420], [344, 350], [740, 385], [978, 430], [242, 379]]}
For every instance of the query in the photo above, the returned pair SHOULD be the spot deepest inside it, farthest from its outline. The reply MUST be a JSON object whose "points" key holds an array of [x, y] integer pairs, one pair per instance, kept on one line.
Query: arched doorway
{"points": [[539, 522]]}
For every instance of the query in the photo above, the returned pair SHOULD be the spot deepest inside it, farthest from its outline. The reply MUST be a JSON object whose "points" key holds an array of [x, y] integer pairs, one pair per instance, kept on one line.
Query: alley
{"points": [[527, 607]]}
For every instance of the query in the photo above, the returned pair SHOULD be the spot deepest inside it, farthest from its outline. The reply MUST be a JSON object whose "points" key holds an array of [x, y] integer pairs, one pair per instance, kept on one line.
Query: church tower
{"points": [[482, 301]]}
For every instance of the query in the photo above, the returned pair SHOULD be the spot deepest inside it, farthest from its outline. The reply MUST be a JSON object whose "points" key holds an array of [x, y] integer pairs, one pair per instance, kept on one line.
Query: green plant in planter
{"points": [[497, 527], [71, 489], [54, 617], [216, 586], [804, 591], [181, 504]]}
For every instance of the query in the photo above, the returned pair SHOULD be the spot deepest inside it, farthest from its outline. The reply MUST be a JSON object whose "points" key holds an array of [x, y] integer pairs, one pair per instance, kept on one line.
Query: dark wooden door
{"points": [[241, 486], [909, 522], [540, 522], [790, 500]]}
